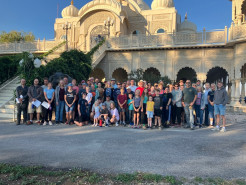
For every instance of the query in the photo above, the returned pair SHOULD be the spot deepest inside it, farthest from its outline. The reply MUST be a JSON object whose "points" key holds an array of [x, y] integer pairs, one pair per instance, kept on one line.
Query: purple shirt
{"points": [[116, 113]]}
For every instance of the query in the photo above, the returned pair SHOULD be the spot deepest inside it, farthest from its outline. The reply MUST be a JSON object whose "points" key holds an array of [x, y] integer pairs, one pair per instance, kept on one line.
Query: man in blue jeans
{"points": [[220, 101], [188, 100]]}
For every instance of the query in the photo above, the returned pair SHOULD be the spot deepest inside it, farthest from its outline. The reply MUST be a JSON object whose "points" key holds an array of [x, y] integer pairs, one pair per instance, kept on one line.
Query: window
{"points": [[136, 32], [160, 30]]}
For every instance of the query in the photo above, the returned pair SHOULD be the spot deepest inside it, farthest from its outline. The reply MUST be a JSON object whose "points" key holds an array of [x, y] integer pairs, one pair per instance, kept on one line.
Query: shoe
{"points": [[61, 122], [45, 123], [116, 124], [50, 123], [17, 123], [216, 129], [106, 125], [154, 126], [168, 123], [160, 128], [192, 128], [57, 122], [210, 126], [29, 123], [38, 122], [223, 129], [200, 126], [144, 127], [66, 123]]}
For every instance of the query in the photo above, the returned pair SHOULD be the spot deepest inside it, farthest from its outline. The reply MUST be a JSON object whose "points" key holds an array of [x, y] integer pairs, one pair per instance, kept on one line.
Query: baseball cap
{"points": [[70, 85], [103, 104]]}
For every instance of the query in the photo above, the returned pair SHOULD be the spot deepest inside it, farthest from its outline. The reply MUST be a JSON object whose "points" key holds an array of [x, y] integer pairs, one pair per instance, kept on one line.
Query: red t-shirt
{"points": [[153, 95], [122, 99], [141, 90]]}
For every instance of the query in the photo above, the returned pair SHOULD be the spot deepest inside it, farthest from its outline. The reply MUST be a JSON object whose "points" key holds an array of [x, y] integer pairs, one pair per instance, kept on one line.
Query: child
{"points": [[70, 98], [137, 105], [82, 106], [150, 111], [104, 114], [122, 100], [143, 115], [49, 95], [97, 114], [158, 109], [130, 108]]}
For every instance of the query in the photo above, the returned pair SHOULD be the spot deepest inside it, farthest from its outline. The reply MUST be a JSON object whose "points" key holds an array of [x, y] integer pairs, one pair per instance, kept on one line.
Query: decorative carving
{"points": [[161, 16]]}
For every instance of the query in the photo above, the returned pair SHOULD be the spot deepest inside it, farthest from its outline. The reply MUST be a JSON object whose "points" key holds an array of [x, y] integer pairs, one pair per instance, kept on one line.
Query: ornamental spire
{"points": [[186, 16], [72, 2]]}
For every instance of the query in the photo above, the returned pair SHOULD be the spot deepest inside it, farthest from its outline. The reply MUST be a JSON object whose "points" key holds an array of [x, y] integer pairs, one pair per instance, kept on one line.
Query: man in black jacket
{"points": [[21, 95]]}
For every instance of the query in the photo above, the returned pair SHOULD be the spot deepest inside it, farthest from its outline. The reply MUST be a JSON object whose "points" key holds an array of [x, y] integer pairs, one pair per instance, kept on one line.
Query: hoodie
{"points": [[220, 97]]}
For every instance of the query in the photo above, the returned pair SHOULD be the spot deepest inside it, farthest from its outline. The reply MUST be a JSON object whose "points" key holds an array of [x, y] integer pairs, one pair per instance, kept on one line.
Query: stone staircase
{"points": [[7, 104]]}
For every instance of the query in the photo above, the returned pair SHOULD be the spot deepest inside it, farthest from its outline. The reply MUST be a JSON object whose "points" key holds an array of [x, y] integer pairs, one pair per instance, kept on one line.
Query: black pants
{"points": [[176, 114], [48, 112], [143, 115], [22, 107], [206, 122]]}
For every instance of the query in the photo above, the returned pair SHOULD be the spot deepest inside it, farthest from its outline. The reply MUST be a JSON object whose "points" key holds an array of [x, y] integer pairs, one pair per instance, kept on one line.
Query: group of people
{"points": [[105, 104]]}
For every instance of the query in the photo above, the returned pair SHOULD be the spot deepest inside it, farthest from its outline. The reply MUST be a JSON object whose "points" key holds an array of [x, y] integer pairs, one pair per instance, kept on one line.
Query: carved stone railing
{"points": [[99, 53], [36, 46], [237, 32]]}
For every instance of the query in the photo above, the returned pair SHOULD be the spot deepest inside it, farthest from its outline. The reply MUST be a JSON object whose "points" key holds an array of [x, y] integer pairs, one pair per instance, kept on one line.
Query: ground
{"points": [[174, 152]]}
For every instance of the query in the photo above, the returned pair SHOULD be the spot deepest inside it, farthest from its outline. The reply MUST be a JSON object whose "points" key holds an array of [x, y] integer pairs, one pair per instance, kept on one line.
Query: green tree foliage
{"points": [[15, 36], [8, 67]]}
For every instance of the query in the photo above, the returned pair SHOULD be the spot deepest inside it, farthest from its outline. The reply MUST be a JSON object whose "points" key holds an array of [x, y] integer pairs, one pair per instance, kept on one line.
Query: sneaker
{"points": [[216, 129], [29, 123], [17, 123], [223, 129], [168, 123], [57, 122], [50, 123], [38, 122], [120, 122], [106, 125], [160, 128], [144, 127], [61, 122], [116, 124], [210, 126], [45, 123], [192, 128]]}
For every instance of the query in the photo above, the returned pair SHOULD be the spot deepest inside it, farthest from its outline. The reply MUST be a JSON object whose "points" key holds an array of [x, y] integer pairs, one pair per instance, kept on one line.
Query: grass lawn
{"points": [[23, 175]]}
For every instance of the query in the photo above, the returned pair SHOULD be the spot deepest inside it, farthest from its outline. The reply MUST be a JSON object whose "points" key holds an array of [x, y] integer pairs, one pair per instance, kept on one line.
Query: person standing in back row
{"points": [[220, 101], [21, 94], [188, 100]]}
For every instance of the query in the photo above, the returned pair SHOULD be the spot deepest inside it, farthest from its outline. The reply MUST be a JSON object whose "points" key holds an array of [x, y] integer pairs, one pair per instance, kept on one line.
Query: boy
{"points": [[130, 108], [158, 108], [104, 114], [82, 106], [122, 100], [108, 102]]}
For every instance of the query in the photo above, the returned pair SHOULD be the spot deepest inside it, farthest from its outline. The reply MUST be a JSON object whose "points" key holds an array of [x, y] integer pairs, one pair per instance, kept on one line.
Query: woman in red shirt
{"points": [[140, 87]]}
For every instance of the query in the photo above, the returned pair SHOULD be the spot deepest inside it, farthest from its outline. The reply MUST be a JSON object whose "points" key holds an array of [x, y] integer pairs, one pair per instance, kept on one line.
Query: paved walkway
{"points": [[177, 152]]}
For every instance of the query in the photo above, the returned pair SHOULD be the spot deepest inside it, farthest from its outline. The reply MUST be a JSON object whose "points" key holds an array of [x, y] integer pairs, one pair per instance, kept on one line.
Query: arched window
{"points": [[160, 30], [136, 32]]}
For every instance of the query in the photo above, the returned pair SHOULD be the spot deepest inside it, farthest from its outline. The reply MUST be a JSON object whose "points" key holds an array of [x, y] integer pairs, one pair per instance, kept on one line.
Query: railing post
{"points": [[15, 46], [38, 44], [226, 32], [204, 36]]}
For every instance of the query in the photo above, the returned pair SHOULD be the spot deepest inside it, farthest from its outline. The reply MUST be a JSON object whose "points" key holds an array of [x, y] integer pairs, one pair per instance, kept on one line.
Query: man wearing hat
{"points": [[113, 84]]}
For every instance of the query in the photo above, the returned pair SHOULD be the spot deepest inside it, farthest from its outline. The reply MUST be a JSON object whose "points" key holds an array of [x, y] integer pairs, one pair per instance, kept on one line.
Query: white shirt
{"points": [[88, 97], [133, 88]]}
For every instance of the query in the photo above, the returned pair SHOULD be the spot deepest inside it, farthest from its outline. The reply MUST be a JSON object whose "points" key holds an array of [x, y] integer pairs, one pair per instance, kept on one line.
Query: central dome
{"points": [[162, 4], [70, 11]]}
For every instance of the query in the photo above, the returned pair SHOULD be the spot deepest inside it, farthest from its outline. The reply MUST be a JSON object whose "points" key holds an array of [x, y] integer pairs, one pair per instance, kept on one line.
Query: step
{"points": [[6, 110], [9, 106], [6, 115], [10, 88], [7, 91], [4, 95]]}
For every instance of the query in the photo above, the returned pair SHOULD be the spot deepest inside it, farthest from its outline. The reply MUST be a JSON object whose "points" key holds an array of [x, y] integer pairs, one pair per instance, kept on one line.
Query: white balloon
{"points": [[30, 55], [37, 63], [21, 62]]}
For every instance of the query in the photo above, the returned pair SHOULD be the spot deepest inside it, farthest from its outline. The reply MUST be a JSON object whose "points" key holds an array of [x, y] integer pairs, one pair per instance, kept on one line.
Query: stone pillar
{"points": [[84, 42], [237, 92], [243, 90], [233, 85], [229, 90]]}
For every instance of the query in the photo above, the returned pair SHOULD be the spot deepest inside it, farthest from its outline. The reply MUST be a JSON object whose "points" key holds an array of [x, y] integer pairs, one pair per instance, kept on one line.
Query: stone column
{"points": [[243, 90], [237, 92], [84, 42], [229, 90], [233, 85]]}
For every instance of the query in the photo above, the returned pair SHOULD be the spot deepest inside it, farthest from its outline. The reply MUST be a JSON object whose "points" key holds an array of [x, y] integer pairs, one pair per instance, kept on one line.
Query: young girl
{"points": [[143, 110], [130, 108], [137, 105], [49, 95], [122, 100], [199, 106], [97, 114], [150, 111]]}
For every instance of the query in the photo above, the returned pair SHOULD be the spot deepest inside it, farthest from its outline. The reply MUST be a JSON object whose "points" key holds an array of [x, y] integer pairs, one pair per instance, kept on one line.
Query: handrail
{"points": [[1, 88]]}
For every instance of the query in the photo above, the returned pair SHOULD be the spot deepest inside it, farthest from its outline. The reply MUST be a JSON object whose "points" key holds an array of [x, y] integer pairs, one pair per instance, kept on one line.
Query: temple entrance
{"points": [[152, 75], [187, 73], [97, 34], [218, 74], [120, 75], [97, 73]]}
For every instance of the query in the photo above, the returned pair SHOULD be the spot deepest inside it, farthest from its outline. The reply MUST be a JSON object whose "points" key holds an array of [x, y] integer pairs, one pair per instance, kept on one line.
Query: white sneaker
{"points": [[116, 124], [50, 123], [223, 129], [216, 129], [45, 123]]}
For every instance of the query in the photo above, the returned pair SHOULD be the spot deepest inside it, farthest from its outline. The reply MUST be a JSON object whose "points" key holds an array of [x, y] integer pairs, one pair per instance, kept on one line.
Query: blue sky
{"points": [[38, 16]]}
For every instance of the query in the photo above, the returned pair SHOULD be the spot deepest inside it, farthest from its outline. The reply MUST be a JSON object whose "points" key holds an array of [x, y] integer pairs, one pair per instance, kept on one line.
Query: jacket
{"points": [[57, 91], [39, 93], [177, 96], [22, 91], [220, 96]]}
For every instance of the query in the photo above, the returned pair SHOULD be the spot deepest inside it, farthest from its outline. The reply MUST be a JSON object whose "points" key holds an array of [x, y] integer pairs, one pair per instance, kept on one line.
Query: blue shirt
{"points": [[130, 107], [49, 93]]}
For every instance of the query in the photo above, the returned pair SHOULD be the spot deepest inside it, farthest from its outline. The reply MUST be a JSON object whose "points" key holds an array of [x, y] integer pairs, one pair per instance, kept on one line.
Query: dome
{"points": [[162, 4], [70, 11], [142, 5], [187, 26]]}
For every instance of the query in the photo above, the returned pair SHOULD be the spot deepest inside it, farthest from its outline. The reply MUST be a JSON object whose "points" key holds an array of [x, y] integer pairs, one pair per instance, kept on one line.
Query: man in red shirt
{"points": [[122, 103]]}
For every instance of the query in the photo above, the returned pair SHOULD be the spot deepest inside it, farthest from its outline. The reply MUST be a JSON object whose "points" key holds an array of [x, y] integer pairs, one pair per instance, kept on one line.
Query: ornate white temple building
{"points": [[155, 39]]}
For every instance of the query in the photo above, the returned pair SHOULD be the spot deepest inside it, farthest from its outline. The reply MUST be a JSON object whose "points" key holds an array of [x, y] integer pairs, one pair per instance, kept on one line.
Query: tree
{"points": [[136, 75], [15, 36]]}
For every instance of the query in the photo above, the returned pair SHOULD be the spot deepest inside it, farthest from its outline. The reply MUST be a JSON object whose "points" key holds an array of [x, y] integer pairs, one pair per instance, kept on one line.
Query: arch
{"points": [[120, 75], [136, 32], [160, 31], [97, 73], [152, 75], [243, 7], [187, 73], [216, 74], [243, 71]]}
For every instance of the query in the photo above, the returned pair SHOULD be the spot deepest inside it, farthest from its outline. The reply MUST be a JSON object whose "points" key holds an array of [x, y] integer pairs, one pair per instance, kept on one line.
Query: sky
{"points": [[38, 16]]}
